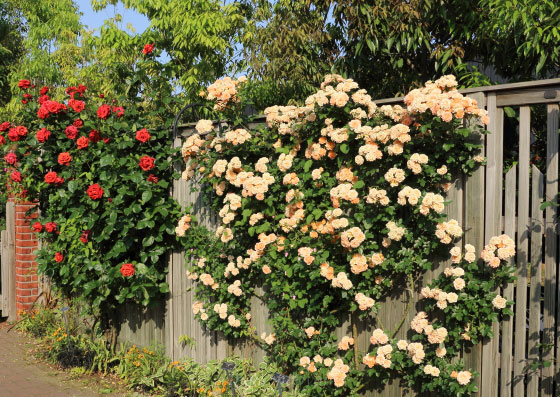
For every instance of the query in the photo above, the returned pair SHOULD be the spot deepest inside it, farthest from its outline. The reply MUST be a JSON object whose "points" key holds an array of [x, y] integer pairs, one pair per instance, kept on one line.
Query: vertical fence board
{"points": [[493, 216], [551, 263], [10, 257], [506, 358], [473, 226], [5, 302], [535, 278], [522, 252]]}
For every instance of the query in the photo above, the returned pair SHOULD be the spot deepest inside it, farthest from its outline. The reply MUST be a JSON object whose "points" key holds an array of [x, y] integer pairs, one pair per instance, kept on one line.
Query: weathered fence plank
{"points": [[522, 252], [493, 216], [533, 339], [551, 291], [506, 359]]}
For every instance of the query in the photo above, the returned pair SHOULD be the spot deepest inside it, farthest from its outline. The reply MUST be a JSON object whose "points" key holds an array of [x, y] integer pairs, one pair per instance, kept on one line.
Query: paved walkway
{"points": [[22, 376]]}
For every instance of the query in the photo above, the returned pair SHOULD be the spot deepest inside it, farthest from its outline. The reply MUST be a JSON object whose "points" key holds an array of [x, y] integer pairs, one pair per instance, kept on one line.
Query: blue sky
{"points": [[95, 19]]}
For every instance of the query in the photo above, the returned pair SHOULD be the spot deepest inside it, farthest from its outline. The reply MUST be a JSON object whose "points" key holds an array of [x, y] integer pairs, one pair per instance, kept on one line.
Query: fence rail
{"points": [[493, 200]]}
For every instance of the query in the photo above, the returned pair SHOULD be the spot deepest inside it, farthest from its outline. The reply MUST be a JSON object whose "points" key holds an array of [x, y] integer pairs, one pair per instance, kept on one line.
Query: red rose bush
{"points": [[106, 223]]}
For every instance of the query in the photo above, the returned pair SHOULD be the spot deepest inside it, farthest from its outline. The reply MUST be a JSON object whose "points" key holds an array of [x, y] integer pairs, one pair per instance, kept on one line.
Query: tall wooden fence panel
{"points": [[504, 196]]}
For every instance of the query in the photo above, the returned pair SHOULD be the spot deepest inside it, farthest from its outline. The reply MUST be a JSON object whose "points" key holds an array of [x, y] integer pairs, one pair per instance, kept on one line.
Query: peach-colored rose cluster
{"points": [[499, 248], [358, 263], [183, 226], [341, 281], [413, 195], [233, 321], [440, 296], [235, 288], [352, 238], [255, 218], [394, 176], [383, 357], [396, 113], [431, 370], [378, 337], [443, 100], [469, 253], [419, 322], [445, 231], [311, 331], [364, 302], [396, 232], [416, 161], [432, 201], [416, 352], [237, 136], [338, 373], [435, 336], [224, 233], [191, 147], [377, 196], [305, 253], [345, 343], [370, 152], [224, 91], [327, 271], [290, 179], [285, 162], [221, 309], [208, 281]]}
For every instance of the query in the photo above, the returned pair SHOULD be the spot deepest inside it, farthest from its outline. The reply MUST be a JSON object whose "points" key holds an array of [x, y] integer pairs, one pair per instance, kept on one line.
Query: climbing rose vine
{"points": [[324, 211]]}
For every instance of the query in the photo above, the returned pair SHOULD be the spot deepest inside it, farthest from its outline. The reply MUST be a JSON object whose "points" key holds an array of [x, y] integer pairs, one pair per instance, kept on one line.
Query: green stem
{"points": [[408, 305]]}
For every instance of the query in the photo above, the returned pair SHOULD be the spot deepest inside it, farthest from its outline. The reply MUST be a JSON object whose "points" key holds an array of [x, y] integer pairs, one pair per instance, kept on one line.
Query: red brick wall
{"points": [[27, 282]]}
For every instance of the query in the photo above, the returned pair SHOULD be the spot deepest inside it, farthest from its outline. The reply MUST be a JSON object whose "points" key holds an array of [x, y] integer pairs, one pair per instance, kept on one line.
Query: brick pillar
{"points": [[26, 243]]}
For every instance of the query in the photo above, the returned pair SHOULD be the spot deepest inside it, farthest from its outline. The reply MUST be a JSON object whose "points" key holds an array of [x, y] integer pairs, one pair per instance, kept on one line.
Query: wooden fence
{"points": [[504, 196], [7, 266]]}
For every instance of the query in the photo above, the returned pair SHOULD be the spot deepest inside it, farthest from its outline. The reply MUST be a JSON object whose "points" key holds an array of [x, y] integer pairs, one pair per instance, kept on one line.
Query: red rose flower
{"points": [[71, 132], [27, 96], [85, 236], [64, 158], [43, 112], [119, 110], [143, 135], [146, 163], [103, 111], [43, 134], [106, 140], [94, 136], [5, 126], [152, 178], [82, 88], [2, 140], [51, 177], [10, 158], [21, 130], [76, 105], [23, 101], [127, 269], [13, 135], [101, 95], [59, 180], [50, 227], [37, 227], [78, 123], [82, 142], [95, 191], [148, 48], [53, 106], [16, 176], [43, 98], [44, 90], [24, 84], [58, 257]]}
